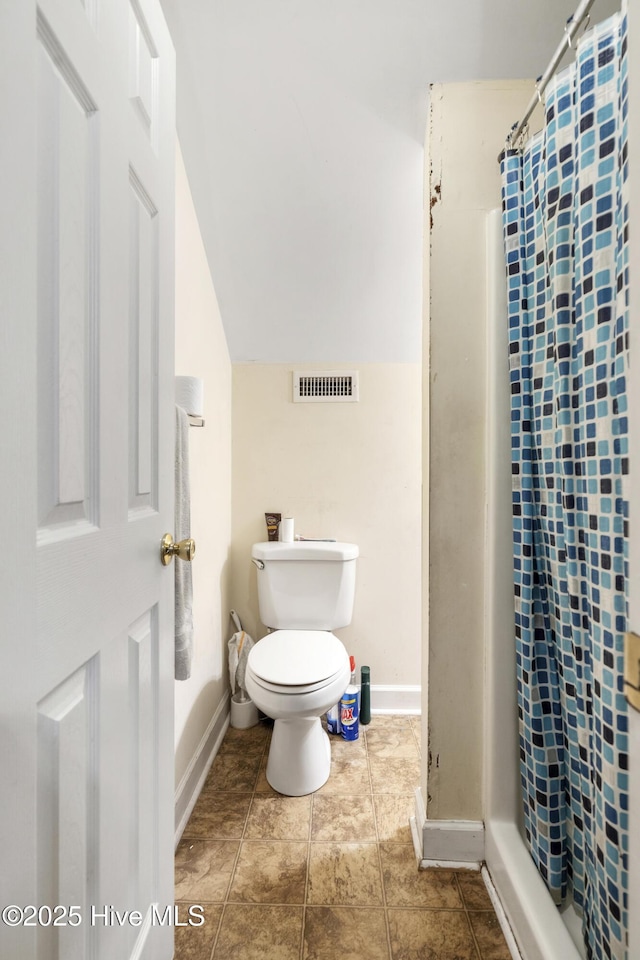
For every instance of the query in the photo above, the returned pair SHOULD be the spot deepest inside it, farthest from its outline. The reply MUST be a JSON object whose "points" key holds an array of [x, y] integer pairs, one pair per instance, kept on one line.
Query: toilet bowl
{"points": [[295, 676]]}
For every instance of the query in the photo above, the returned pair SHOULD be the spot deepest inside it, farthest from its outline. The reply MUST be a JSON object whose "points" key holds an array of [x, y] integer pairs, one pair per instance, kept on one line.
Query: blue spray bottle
{"points": [[333, 719]]}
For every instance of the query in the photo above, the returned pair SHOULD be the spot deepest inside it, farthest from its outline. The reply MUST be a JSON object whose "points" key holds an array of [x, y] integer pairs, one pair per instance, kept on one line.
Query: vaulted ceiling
{"points": [[302, 127]]}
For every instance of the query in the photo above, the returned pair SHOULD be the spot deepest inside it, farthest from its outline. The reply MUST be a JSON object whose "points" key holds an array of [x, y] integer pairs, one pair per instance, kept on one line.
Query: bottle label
{"points": [[348, 711]]}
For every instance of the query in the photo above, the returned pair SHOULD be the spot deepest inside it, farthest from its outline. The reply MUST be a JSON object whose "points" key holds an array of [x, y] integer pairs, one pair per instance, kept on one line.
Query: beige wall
{"points": [[345, 470], [467, 126], [201, 351]]}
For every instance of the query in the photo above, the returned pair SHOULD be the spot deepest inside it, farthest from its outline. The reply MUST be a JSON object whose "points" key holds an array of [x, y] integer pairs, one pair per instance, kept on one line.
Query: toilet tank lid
{"points": [[304, 550]]}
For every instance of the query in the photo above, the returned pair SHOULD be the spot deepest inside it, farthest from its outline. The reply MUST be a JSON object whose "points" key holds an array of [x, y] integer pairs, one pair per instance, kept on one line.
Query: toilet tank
{"points": [[305, 585]]}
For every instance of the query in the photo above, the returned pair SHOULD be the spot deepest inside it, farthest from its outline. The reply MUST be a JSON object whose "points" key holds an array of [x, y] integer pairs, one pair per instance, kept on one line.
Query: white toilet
{"points": [[296, 673]]}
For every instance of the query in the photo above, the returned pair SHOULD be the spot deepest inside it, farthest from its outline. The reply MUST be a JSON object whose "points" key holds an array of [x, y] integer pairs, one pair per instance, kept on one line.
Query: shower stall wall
{"points": [[542, 932]]}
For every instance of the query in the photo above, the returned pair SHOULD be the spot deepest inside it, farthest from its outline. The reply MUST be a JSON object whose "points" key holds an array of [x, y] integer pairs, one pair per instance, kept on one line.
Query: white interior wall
{"points": [[303, 127], [350, 471], [467, 126], [201, 351]]}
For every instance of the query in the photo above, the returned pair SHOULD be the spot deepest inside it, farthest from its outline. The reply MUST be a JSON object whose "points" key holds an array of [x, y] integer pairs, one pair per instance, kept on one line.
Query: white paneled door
{"points": [[86, 483]]}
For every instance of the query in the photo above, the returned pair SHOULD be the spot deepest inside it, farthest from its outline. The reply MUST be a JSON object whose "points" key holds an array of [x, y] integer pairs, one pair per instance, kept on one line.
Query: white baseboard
{"points": [[396, 698], [190, 786], [451, 843], [461, 841]]}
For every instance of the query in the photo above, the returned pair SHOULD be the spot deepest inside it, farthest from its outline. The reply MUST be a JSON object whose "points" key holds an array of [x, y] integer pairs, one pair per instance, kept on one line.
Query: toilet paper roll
{"points": [[286, 530], [190, 395]]}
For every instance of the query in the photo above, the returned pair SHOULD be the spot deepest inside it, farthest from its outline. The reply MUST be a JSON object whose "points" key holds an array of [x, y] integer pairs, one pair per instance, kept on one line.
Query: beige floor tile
{"points": [[348, 776], [262, 784], [489, 935], [348, 749], [248, 843], [394, 776], [342, 819], [259, 932], [278, 818], [345, 933], [392, 816], [196, 943], [431, 935], [474, 892], [397, 742], [203, 869], [233, 772], [406, 886], [243, 746], [345, 874], [260, 733], [270, 871], [218, 816], [416, 725], [386, 721]]}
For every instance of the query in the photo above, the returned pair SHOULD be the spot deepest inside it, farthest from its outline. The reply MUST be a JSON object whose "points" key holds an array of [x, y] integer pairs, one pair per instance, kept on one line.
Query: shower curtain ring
{"points": [[567, 31], [538, 94]]}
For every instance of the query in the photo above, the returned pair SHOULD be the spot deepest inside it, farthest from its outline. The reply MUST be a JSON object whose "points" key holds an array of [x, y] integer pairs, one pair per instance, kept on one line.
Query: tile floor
{"points": [[331, 876]]}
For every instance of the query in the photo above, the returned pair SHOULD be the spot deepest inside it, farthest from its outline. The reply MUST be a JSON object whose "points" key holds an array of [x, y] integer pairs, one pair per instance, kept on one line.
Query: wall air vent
{"points": [[325, 386]]}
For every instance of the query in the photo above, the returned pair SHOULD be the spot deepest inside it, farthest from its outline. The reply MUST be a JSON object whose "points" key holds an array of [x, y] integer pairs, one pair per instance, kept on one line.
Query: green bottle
{"points": [[365, 695]]}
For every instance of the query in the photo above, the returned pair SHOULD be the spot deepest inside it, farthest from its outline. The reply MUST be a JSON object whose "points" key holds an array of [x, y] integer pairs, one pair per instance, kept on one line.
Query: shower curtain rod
{"points": [[573, 25]]}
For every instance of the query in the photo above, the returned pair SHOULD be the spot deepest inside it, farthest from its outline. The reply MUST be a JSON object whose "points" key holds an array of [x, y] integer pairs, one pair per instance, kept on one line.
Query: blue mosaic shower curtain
{"points": [[565, 228]]}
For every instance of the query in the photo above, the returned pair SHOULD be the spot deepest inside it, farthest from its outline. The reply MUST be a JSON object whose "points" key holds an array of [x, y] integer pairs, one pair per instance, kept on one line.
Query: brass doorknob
{"points": [[170, 548]]}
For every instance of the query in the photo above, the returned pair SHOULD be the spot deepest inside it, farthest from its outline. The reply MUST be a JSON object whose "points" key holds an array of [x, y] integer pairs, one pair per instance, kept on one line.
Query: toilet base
{"points": [[299, 757]]}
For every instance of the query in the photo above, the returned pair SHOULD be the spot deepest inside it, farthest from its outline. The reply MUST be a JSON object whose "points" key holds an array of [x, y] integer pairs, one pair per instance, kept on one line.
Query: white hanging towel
{"points": [[184, 587]]}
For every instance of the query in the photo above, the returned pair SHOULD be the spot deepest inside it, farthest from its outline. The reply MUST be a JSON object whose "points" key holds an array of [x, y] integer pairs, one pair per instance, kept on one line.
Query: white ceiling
{"points": [[302, 127]]}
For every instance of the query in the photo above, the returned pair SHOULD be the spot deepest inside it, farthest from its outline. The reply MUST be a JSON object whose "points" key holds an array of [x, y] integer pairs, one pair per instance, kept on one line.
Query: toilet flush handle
{"points": [[259, 563]]}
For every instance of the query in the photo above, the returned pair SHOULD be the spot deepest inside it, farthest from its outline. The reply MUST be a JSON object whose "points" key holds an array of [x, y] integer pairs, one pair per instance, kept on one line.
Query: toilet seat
{"points": [[297, 661], [288, 689]]}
